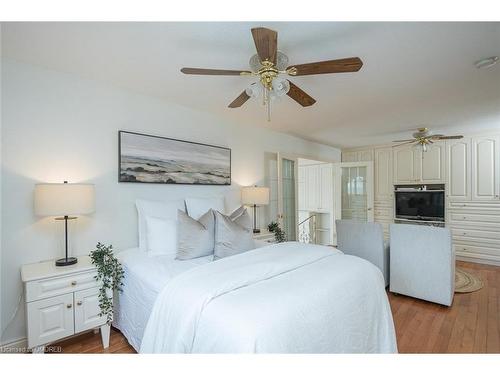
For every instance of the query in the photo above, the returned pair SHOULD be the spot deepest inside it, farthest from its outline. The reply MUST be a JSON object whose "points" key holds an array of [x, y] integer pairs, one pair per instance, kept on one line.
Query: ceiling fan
{"points": [[424, 137], [271, 65]]}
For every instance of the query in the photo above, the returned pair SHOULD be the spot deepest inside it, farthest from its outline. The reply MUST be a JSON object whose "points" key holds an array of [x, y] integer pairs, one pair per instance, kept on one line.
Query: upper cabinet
{"points": [[362, 155], [383, 174], [412, 165], [316, 187], [458, 156], [485, 168]]}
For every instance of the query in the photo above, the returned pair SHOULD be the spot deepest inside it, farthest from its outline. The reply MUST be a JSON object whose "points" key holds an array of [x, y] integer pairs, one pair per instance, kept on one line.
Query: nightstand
{"points": [[61, 302], [264, 236]]}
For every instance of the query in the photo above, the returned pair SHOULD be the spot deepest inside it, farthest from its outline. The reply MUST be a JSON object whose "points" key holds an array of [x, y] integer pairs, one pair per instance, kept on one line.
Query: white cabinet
{"points": [[411, 165], [383, 174], [349, 156], [316, 192], [485, 168], [458, 155], [360, 155], [61, 301]]}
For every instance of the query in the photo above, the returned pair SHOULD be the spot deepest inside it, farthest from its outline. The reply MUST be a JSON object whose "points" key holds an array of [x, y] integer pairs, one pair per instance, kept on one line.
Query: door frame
{"points": [[294, 158]]}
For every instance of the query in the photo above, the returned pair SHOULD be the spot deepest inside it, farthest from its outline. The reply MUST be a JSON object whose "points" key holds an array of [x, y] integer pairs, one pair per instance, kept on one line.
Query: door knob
{"points": [[69, 305], [73, 283], [79, 303]]}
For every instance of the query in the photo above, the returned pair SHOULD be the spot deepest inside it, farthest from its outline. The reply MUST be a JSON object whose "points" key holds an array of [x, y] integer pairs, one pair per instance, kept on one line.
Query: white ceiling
{"points": [[414, 73]]}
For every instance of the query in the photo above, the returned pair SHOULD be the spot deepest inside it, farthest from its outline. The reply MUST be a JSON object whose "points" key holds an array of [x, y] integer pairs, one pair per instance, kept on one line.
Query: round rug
{"points": [[466, 282]]}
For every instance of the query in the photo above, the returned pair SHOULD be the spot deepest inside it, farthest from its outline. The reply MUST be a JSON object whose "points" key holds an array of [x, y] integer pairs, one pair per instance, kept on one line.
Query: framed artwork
{"points": [[150, 159]]}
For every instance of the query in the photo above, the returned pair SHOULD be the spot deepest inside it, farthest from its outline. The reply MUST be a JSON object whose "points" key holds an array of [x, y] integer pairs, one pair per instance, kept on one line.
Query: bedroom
{"points": [[187, 174]]}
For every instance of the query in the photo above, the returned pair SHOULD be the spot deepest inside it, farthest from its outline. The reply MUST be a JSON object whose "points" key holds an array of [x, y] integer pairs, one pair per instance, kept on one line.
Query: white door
{"points": [[313, 190], [326, 187], [458, 158], [383, 174], [87, 310], [50, 319], [485, 168], [354, 191], [433, 163], [404, 165], [287, 195]]}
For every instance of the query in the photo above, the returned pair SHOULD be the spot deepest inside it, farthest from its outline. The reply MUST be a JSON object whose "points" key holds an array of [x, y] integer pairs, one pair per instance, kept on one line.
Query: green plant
{"points": [[279, 234], [110, 274]]}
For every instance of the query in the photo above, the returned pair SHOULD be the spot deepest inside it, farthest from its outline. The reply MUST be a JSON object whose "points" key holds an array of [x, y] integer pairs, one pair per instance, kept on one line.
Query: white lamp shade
{"points": [[255, 195], [64, 199]]}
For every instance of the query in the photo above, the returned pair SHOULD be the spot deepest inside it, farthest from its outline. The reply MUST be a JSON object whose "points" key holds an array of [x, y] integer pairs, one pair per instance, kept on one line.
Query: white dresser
{"points": [[61, 302]]}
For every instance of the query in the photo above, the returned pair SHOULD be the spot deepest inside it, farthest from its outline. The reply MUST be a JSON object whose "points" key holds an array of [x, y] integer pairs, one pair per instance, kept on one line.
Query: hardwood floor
{"points": [[471, 325]]}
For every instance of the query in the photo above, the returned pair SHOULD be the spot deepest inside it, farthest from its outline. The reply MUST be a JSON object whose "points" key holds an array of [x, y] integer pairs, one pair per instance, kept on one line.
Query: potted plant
{"points": [[110, 274], [279, 234]]}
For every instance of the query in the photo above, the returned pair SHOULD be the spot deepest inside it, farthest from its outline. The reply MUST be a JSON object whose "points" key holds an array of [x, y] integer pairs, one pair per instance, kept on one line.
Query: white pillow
{"points": [[197, 207], [160, 210], [161, 236]]}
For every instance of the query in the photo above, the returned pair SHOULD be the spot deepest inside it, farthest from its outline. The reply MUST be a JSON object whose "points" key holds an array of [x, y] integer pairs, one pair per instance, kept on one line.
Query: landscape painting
{"points": [[152, 159]]}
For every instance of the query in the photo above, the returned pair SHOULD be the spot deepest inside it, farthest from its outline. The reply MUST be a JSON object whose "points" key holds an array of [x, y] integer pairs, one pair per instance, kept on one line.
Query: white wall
{"points": [[60, 127]]}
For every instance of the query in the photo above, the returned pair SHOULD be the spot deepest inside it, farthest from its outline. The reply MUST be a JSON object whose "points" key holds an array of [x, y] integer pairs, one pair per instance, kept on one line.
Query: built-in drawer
{"points": [[481, 206], [54, 286], [464, 249], [473, 217], [476, 235]]}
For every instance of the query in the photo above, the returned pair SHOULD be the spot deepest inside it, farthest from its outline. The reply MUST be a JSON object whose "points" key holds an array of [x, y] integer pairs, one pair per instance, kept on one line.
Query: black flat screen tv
{"points": [[420, 205]]}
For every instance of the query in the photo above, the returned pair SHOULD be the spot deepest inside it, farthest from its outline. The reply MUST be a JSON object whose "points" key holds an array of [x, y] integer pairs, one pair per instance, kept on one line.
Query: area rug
{"points": [[466, 282]]}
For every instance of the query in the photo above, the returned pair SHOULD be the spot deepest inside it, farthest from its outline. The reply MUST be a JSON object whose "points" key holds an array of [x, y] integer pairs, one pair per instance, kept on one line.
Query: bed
{"points": [[283, 298], [144, 278]]}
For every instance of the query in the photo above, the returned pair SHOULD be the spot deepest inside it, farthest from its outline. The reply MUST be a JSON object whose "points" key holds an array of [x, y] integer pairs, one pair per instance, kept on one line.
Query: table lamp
{"points": [[253, 196], [63, 200]]}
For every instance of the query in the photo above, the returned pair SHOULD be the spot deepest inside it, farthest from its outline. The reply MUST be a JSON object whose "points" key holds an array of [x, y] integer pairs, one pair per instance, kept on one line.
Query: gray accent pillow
{"points": [[241, 217], [231, 238], [195, 237]]}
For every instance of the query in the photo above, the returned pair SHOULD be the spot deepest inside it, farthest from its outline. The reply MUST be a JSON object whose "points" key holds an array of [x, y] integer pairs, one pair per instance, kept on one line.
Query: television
{"points": [[420, 205]]}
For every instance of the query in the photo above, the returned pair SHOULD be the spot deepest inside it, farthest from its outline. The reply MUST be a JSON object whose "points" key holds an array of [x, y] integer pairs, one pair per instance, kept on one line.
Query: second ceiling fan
{"points": [[271, 65]]}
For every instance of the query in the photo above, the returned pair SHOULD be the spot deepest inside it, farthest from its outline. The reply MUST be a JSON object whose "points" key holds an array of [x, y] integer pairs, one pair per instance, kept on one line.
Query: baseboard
{"points": [[18, 346], [475, 258]]}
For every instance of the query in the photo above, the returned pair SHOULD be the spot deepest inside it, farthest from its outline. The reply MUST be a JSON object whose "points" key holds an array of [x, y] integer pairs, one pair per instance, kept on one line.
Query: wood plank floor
{"points": [[471, 325]]}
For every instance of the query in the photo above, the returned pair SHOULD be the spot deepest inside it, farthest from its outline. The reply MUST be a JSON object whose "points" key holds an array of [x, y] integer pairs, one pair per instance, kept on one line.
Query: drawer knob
{"points": [[69, 305], [73, 283], [79, 303]]}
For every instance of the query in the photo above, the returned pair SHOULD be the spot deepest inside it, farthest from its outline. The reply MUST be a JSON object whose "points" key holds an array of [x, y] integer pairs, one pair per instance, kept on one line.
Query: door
{"points": [[87, 310], [354, 191], [50, 319], [383, 174], [485, 168], [458, 158], [326, 187], [313, 191], [432, 163], [287, 195]]}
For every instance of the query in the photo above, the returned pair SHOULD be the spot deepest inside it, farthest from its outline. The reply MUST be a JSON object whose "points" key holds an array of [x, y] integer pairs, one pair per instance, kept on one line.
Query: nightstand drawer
{"points": [[54, 286]]}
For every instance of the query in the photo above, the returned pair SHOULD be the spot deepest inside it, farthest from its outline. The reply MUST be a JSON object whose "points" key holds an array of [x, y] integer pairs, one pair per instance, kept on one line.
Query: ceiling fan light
{"points": [[254, 63], [280, 86], [254, 90], [281, 61]]}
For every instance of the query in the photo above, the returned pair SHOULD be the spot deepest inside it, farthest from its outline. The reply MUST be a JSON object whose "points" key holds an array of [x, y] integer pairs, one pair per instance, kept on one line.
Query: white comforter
{"points": [[284, 298]]}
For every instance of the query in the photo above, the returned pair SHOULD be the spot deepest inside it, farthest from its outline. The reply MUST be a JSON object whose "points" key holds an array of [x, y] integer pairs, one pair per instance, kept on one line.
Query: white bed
{"points": [[284, 298], [144, 278]]}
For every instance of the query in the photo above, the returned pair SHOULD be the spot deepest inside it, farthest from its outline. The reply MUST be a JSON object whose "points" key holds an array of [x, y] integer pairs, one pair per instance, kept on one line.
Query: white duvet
{"points": [[283, 298]]}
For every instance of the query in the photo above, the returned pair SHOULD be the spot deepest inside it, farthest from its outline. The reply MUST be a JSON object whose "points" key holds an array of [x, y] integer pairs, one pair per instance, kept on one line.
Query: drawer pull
{"points": [[73, 283], [79, 303], [69, 306]]}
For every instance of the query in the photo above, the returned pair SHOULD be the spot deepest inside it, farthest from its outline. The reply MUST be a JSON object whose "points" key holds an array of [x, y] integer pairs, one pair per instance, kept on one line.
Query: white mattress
{"points": [[144, 278]]}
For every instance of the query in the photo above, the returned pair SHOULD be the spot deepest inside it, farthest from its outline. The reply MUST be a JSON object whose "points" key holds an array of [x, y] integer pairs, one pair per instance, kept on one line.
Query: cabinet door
{"points": [[50, 319], [485, 168], [326, 186], [349, 156], [458, 163], [433, 164], [404, 165], [87, 310], [313, 188], [383, 174], [365, 155]]}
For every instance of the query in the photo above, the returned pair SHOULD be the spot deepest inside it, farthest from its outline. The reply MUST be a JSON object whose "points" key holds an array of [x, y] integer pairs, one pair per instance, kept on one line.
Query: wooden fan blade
{"points": [[351, 64], [300, 96], [266, 43], [240, 100], [450, 137], [405, 140], [214, 72]]}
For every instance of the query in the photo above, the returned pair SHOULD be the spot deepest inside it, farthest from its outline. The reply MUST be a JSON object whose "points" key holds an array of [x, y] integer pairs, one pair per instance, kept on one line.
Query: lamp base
{"points": [[66, 261], [256, 230]]}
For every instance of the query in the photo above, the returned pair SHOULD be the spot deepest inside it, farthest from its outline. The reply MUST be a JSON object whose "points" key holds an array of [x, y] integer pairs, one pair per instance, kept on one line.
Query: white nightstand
{"points": [[61, 302], [264, 236]]}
